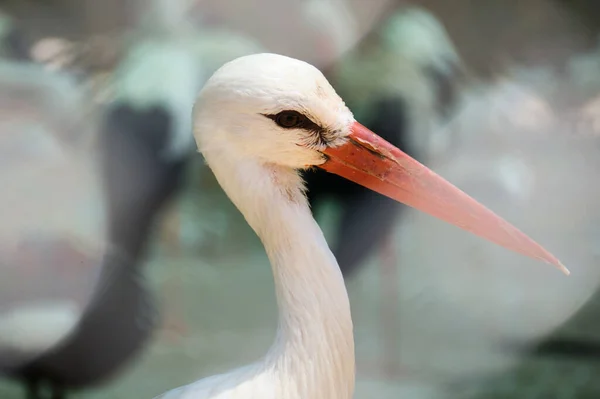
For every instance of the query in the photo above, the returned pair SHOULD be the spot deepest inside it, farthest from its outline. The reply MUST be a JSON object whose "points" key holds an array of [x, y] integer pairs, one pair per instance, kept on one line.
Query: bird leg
{"points": [[388, 267]]}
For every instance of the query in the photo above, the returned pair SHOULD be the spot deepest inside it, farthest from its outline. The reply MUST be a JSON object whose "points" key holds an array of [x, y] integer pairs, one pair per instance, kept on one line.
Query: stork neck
{"points": [[314, 348]]}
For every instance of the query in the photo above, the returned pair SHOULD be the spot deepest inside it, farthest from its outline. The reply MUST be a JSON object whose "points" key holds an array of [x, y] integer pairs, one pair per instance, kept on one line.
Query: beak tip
{"points": [[561, 267]]}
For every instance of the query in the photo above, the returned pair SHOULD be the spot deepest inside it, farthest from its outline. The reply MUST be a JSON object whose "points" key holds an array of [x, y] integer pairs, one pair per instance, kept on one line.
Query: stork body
{"points": [[258, 121]]}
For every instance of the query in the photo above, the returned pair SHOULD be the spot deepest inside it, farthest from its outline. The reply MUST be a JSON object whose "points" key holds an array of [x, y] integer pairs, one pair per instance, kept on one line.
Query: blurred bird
{"points": [[144, 145], [397, 81], [201, 50], [53, 234], [147, 143]]}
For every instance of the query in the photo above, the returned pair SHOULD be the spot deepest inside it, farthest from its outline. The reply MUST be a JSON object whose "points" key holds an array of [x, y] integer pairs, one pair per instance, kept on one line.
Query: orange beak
{"points": [[372, 162]]}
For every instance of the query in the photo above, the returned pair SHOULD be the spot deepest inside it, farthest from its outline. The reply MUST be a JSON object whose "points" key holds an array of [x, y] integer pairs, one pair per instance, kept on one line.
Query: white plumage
{"points": [[313, 354]]}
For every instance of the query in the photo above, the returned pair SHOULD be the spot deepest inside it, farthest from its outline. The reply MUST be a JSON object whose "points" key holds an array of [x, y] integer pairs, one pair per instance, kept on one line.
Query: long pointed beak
{"points": [[372, 162]]}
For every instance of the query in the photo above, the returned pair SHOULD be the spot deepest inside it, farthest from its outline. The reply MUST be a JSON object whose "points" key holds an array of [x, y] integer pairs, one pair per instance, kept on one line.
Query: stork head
{"points": [[282, 112], [273, 108]]}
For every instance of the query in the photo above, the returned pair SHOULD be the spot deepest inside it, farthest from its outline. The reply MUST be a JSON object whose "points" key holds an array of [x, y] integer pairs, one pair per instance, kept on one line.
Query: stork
{"points": [[258, 121]]}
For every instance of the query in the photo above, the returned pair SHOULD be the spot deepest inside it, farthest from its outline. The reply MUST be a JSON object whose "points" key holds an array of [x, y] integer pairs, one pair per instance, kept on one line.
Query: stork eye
{"points": [[289, 119]]}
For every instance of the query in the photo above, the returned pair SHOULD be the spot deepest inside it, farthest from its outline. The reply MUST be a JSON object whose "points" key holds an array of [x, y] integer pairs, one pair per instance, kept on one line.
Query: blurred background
{"points": [[125, 271]]}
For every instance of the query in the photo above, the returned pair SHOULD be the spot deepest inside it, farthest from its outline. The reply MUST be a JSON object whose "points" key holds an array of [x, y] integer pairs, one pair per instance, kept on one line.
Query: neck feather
{"points": [[313, 353]]}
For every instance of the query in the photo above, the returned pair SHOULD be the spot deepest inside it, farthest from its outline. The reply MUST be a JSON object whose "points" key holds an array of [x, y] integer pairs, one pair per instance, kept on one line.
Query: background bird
{"points": [[54, 227], [144, 144], [402, 78]]}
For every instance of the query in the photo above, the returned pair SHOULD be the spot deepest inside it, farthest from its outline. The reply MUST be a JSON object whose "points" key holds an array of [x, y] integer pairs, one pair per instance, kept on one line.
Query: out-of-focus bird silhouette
{"points": [[144, 143], [405, 78], [53, 235]]}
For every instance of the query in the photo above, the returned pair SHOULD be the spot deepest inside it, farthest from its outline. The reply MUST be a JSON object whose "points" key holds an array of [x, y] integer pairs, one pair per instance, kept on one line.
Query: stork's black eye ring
{"points": [[290, 119]]}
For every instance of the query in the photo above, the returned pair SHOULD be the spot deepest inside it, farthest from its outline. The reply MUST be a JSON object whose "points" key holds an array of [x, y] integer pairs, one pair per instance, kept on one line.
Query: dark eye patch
{"points": [[290, 119]]}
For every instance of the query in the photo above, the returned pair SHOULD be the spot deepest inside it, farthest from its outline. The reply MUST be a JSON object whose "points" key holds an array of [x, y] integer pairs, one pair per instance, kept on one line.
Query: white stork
{"points": [[258, 121]]}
